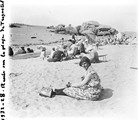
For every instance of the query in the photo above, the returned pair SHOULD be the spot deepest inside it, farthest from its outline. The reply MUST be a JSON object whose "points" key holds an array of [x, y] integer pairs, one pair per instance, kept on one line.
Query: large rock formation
{"points": [[90, 36], [89, 30], [97, 29], [103, 30], [65, 30], [71, 30], [90, 25], [60, 28]]}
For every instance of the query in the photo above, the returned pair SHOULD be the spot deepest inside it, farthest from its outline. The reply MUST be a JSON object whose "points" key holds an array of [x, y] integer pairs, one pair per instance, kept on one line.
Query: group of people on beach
{"points": [[76, 48], [21, 50], [89, 87]]}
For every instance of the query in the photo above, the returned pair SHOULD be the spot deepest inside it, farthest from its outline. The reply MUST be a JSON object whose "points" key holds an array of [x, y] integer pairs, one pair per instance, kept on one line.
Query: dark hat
{"points": [[28, 48], [84, 59], [22, 47]]}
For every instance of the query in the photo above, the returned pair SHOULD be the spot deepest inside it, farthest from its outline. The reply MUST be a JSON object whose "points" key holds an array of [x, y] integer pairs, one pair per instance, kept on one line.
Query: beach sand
{"points": [[117, 74], [26, 77]]}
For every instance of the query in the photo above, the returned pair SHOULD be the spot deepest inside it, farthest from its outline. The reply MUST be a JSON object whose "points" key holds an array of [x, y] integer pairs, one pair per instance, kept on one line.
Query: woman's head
{"points": [[85, 62]]}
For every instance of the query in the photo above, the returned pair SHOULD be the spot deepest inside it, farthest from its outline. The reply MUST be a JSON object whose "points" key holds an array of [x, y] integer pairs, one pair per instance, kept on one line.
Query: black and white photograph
{"points": [[69, 59]]}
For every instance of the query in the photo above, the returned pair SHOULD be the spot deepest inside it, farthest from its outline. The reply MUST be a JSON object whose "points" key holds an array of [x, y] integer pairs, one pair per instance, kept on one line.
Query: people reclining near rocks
{"points": [[29, 50], [58, 55], [20, 51]]}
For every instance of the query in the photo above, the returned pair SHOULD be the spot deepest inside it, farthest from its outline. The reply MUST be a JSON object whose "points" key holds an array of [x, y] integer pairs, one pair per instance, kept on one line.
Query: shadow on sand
{"points": [[100, 61], [106, 93]]}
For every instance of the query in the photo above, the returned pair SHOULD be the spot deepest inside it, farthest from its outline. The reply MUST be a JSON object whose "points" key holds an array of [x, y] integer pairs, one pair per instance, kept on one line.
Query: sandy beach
{"points": [[118, 74], [102, 29], [118, 77]]}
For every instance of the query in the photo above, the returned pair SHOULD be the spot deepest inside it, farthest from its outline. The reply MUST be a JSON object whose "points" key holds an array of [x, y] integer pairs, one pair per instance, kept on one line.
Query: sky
{"points": [[119, 14]]}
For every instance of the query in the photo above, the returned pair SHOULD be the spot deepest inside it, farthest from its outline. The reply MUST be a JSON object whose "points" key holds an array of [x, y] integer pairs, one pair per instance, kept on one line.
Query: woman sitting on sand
{"points": [[88, 89]]}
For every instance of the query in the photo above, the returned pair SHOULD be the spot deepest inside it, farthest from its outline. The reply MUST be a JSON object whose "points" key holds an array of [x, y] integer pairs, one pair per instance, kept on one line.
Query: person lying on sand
{"points": [[88, 89], [21, 51], [30, 50]]}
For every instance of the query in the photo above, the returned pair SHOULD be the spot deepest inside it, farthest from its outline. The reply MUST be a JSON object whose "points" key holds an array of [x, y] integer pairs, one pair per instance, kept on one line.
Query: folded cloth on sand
{"points": [[46, 92]]}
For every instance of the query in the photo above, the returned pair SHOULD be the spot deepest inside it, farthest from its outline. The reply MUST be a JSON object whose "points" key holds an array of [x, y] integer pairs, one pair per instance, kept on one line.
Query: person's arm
{"points": [[86, 79]]}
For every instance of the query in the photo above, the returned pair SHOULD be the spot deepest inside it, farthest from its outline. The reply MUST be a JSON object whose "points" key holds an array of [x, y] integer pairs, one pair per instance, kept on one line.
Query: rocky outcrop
{"points": [[90, 25], [60, 28], [70, 30]]}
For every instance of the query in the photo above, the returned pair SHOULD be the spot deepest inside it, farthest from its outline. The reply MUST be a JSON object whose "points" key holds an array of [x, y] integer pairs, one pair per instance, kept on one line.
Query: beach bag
{"points": [[46, 92]]}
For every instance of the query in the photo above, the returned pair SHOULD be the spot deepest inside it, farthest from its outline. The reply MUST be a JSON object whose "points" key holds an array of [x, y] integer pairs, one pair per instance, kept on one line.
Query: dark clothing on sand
{"points": [[73, 37], [30, 50], [10, 51], [21, 51], [57, 56], [82, 49], [76, 51]]}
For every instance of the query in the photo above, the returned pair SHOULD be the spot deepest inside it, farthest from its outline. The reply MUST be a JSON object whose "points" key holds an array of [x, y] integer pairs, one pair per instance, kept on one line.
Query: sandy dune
{"points": [[118, 77]]}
